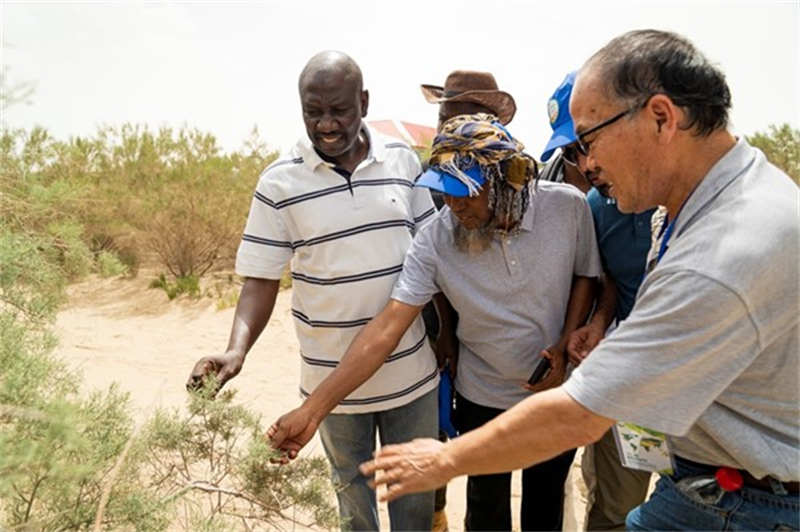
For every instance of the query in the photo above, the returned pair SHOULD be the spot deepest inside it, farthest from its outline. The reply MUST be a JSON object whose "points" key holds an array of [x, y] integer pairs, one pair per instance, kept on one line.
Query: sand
{"points": [[119, 330]]}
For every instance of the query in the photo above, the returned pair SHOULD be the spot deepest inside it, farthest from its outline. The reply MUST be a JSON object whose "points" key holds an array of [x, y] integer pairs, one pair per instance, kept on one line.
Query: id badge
{"points": [[643, 449]]}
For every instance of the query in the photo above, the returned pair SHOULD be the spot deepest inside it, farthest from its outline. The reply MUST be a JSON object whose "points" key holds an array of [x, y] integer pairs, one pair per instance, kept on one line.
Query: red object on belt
{"points": [[729, 479]]}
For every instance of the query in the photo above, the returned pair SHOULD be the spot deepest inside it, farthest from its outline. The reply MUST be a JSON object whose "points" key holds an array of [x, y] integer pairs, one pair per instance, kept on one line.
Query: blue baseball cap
{"points": [[437, 179], [560, 119]]}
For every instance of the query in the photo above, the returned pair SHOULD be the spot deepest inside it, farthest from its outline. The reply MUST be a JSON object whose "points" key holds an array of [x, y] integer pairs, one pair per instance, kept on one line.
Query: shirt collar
{"points": [[527, 218], [734, 163]]}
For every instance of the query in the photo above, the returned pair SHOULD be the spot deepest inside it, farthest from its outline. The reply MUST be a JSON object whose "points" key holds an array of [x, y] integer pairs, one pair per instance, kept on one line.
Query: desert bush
{"points": [[216, 463], [110, 265], [189, 285], [31, 285], [56, 447], [131, 192], [781, 145], [73, 463], [70, 249]]}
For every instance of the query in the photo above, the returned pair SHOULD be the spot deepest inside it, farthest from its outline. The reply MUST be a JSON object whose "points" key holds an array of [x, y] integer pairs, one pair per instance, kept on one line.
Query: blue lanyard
{"points": [[670, 225]]}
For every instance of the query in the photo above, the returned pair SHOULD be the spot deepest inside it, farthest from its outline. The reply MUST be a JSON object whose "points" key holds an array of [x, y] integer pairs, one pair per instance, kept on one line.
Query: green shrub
{"points": [[71, 250], [31, 283], [189, 285], [109, 265], [56, 446], [781, 145], [132, 191], [215, 459]]}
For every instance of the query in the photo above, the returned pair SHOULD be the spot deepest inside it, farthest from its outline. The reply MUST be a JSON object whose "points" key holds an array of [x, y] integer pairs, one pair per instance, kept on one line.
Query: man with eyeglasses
{"points": [[709, 354], [624, 241]]}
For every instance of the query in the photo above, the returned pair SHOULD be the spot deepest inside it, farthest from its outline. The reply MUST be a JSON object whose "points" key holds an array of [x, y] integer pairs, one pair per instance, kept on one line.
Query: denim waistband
{"points": [[769, 484]]}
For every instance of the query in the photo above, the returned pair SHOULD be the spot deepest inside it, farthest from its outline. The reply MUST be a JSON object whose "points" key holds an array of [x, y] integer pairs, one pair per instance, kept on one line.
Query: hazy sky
{"points": [[225, 67]]}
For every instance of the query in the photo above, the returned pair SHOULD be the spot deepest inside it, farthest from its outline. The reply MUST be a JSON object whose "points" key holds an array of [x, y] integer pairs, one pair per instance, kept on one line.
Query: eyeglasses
{"points": [[584, 146], [570, 154]]}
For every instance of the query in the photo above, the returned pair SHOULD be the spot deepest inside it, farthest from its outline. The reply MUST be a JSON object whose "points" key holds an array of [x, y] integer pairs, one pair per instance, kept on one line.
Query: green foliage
{"points": [[189, 285], [226, 291], [215, 463], [70, 462], [56, 446], [70, 249], [31, 285], [110, 265], [286, 279], [781, 145], [130, 192]]}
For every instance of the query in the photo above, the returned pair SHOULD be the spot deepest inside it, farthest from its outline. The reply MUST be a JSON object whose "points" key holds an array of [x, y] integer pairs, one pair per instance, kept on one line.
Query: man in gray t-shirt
{"points": [[518, 261], [709, 353]]}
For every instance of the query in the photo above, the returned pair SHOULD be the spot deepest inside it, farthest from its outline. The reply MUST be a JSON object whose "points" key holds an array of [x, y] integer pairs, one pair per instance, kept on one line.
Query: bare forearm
{"points": [[256, 303], [537, 429], [606, 307]]}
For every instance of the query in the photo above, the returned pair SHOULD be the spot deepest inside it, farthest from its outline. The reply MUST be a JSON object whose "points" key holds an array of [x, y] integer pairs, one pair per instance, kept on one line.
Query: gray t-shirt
{"points": [[512, 298], [709, 354]]}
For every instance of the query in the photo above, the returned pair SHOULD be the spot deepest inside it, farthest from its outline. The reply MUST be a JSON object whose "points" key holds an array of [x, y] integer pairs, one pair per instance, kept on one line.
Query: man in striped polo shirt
{"points": [[342, 209]]}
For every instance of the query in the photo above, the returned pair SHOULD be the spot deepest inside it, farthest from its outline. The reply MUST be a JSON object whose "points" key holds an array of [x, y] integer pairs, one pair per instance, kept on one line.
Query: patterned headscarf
{"points": [[467, 140]]}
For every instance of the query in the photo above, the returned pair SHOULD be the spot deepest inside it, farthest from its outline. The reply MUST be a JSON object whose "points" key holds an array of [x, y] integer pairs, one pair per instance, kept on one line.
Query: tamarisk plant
{"points": [[216, 462]]}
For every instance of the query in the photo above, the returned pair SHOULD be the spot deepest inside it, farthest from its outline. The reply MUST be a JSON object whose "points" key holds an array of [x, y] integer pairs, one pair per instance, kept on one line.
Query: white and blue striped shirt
{"points": [[346, 240]]}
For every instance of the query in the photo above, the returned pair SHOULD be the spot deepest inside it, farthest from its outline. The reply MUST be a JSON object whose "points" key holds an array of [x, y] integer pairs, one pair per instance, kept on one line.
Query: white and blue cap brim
{"points": [[446, 183], [560, 118], [563, 135]]}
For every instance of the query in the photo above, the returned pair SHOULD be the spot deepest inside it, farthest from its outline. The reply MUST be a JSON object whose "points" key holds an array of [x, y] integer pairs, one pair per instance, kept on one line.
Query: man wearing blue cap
{"points": [[624, 242], [564, 168], [517, 259]]}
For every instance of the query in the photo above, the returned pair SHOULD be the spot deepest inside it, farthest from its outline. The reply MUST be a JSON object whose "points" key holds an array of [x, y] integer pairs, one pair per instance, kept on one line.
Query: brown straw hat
{"points": [[474, 87]]}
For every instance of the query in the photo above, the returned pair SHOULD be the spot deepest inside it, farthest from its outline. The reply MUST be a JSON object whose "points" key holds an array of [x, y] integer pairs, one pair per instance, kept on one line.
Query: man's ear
{"points": [[666, 116], [364, 103]]}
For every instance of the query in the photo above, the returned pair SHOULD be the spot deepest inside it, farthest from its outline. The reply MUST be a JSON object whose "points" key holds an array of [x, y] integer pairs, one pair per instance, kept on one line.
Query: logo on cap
{"points": [[552, 110]]}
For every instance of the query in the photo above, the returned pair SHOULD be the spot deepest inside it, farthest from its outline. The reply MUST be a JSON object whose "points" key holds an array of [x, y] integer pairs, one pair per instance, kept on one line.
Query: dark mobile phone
{"points": [[541, 369]]}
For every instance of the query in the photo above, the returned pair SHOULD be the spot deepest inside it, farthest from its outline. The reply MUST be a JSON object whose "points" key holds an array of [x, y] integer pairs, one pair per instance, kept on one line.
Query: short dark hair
{"points": [[642, 63]]}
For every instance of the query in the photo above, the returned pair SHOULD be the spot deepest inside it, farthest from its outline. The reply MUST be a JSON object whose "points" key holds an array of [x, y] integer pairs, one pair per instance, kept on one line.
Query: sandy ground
{"points": [[119, 330]]}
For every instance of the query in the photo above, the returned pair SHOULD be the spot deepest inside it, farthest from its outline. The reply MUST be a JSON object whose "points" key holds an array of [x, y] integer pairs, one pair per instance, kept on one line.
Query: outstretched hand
{"points": [[405, 468], [221, 367], [291, 432]]}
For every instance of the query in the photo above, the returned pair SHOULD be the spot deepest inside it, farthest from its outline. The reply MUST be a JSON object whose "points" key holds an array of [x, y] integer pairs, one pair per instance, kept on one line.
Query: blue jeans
{"points": [[747, 509], [349, 440]]}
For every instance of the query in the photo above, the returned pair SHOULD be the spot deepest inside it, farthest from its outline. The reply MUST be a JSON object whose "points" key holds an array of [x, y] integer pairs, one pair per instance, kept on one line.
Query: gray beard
{"points": [[474, 241]]}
